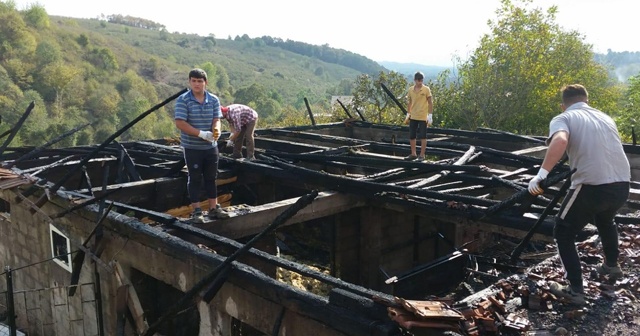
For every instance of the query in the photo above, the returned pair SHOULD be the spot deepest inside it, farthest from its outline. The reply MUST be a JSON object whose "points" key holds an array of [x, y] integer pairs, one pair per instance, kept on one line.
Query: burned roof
{"points": [[319, 171]]}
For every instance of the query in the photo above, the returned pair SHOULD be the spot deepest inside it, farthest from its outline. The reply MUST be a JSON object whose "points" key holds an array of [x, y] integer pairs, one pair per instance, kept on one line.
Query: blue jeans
{"points": [[595, 204]]}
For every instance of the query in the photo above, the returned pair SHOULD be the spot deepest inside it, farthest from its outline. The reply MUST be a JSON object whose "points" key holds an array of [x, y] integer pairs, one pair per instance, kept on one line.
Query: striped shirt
{"points": [[240, 115], [200, 116]]}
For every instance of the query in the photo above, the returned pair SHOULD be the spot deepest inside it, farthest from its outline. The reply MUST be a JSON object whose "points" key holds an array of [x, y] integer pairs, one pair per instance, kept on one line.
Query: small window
{"points": [[60, 248]]}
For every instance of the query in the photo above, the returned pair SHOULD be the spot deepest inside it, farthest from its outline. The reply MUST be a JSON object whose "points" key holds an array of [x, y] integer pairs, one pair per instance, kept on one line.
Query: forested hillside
{"points": [[107, 71]]}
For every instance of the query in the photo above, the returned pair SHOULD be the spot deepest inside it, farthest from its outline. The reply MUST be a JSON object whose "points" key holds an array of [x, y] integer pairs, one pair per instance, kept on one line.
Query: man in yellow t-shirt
{"points": [[420, 108]]}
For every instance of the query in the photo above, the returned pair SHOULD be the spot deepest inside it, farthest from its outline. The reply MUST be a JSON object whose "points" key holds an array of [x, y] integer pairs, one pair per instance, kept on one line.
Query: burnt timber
{"points": [[123, 208]]}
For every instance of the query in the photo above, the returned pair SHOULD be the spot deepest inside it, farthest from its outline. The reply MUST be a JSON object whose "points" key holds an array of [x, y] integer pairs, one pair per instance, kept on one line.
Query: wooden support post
{"points": [[370, 247], [306, 103], [133, 302]]}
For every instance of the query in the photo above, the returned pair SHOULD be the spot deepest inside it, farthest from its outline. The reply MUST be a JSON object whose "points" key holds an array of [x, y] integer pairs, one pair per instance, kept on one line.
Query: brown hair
{"points": [[574, 93]]}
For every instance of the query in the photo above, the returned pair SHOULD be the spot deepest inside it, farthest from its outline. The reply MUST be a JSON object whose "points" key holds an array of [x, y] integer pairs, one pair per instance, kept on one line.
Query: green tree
{"points": [[251, 94], [211, 71], [374, 102], [628, 118], [10, 96], [36, 16], [20, 72], [47, 52], [58, 76], [512, 80], [83, 40], [103, 58]]}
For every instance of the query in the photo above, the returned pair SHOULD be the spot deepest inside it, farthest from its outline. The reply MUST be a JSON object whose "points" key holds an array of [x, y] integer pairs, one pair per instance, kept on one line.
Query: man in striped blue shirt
{"points": [[197, 116]]}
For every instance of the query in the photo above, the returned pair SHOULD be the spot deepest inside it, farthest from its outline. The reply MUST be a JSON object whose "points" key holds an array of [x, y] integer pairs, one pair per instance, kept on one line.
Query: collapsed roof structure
{"points": [[97, 240]]}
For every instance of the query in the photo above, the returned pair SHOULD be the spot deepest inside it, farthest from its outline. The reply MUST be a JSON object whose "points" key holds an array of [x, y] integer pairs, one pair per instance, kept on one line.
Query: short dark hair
{"points": [[574, 93], [198, 73], [418, 76]]}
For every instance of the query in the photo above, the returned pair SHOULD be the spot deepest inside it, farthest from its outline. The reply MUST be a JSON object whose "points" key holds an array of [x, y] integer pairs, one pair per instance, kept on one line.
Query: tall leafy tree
{"points": [[512, 80], [58, 76], [36, 16]]}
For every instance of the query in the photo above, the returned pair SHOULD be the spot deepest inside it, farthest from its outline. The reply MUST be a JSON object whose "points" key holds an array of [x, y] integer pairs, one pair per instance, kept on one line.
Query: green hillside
{"points": [[107, 71], [246, 61]]}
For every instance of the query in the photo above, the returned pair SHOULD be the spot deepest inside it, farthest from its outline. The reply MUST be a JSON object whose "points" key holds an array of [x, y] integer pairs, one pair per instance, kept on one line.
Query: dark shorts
{"points": [[417, 129]]}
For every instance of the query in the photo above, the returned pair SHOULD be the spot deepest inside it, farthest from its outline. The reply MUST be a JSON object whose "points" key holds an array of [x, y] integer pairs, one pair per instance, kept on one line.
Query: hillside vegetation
{"points": [[107, 71]]}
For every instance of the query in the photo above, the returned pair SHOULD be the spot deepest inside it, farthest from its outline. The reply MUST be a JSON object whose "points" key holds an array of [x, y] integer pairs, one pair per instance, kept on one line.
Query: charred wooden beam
{"points": [[460, 162], [78, 259], [104, 144], [459, 212], [345, 109], [306, 103], [362, 187], [395, 100], [512, 135], [520, 247], [360, 114], [518, 196], [84, 203], [51, 142], [225, 265], [289, 146], [259, 217], [16, 127], [127, 162], [381, 162], [308, 136], [273, 260], [86, 180]]}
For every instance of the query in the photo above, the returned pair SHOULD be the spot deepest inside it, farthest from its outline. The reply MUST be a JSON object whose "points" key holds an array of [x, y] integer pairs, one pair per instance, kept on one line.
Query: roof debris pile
{"points": [[522, 304]]}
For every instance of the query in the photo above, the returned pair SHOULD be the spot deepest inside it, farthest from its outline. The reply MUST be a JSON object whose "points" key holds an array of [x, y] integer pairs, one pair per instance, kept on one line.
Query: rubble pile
{"points": [[521, 304]]}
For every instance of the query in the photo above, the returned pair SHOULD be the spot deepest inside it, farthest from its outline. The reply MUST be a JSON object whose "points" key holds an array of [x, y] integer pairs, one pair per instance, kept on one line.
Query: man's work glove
{"points": [[430, 119], [206, 135], [216, 134], [229, 143], [534, 184]]}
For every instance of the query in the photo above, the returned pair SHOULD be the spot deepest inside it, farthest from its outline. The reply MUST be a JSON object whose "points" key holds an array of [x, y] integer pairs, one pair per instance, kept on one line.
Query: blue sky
{"points": [[380, 30]]}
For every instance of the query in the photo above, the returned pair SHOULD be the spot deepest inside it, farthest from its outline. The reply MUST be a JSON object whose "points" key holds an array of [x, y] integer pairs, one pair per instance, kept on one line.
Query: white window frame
{"points": [[66, 266]]}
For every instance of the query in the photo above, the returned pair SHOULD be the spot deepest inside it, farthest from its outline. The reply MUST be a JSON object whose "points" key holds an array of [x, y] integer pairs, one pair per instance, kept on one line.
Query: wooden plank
{"points": [[132, 298], [238, 226]]}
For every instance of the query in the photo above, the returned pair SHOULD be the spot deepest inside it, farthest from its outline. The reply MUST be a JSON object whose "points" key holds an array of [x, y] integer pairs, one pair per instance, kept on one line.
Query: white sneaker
{"points": [[567, 293]]}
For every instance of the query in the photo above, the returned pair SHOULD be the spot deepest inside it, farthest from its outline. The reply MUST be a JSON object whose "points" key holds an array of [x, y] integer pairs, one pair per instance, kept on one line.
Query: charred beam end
{"points": [[207, 280], [16, 128], [306, 103], [395, 100], [345, 109], [360, 114]]}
